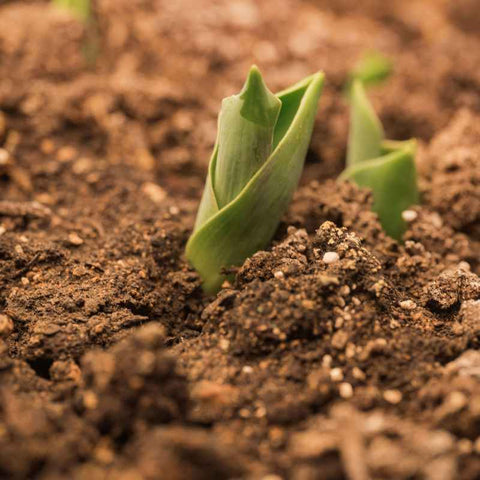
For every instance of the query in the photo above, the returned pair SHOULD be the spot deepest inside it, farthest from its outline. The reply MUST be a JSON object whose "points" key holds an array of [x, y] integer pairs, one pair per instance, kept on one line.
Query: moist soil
{"points": [[115, 365]]}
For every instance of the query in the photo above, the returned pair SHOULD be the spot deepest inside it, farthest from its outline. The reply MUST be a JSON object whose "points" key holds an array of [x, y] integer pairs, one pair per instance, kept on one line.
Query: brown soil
{"points": [[114, 365]]}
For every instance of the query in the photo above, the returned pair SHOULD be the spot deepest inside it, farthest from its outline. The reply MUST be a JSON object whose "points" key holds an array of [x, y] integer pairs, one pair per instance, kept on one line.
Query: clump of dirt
{"points": [[370, 445], [40, 432], [133, 383], [454, 174]]}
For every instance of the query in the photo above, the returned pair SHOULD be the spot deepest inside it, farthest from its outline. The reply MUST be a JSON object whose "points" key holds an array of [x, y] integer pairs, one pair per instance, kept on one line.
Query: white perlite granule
{"points": [[345, 390], [336, 374], [409, 215], [330, 257]]}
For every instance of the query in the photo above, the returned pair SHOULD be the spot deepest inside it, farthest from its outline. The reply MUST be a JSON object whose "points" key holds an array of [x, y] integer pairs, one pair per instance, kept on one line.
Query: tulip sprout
{"points": [[256, 164], [372, 69], [386, 167], [80, 8]]}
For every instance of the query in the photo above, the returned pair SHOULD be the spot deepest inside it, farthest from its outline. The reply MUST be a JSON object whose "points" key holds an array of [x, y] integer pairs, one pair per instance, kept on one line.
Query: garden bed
{"points": [[115, 365]]}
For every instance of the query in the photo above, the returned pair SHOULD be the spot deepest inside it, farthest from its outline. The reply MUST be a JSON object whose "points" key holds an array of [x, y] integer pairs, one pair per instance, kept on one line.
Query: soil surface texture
{"points": [[360, 364]]}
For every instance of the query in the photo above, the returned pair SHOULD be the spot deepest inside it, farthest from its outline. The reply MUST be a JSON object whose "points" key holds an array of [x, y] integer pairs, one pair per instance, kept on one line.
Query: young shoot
{"points": [[372, 69], [386, 167], [79, 8], [255, 167], [82, 10]]}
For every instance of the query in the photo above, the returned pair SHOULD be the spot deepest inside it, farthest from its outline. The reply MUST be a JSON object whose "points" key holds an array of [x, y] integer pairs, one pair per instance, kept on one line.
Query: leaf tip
{"points": [[260, 105]]}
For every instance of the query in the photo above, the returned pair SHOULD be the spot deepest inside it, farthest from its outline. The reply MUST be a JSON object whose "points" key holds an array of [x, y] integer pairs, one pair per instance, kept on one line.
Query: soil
{"points": [[114, 365]]}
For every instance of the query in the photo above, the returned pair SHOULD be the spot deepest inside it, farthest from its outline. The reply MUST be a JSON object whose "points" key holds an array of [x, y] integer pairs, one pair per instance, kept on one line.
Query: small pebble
{"points": [[408, 304], [6, 325], [75, 239], [437, 221], [247, 369], [358, 374], [224, 344], [2, 229], [66, 153], [279, 275], [155, 192], [90, 400], [336, 374], [409, 215], [330, 257], [327, 360], [261, 412], [455, 401], [4, 156], [339, 321], [47, 146], [245, 413], [174, 210], [104, 455], [345, 390], [350, 350], [82, 165], [339, 339], [465, 266], [392, 396]]}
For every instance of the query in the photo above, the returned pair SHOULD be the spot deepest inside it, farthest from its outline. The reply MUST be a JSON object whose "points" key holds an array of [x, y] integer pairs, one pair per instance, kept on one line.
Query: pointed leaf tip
{"points": [[260, 105], [372, 69]]}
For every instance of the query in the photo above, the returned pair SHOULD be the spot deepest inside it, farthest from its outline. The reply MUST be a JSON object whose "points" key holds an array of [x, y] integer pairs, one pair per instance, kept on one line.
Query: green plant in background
{"points": [[386, 167], [80, 8], [372, 68], [256, 164]]}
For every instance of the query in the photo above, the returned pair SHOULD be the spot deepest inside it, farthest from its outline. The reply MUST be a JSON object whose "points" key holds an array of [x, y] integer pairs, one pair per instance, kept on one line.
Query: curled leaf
{"points": [[386, 167], [232, 226]]}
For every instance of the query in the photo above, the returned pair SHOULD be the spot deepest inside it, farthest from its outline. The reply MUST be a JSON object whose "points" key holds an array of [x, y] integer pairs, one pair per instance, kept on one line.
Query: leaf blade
{"points": [[393, 181], [248, 223], [366, 132], [245, 134]]}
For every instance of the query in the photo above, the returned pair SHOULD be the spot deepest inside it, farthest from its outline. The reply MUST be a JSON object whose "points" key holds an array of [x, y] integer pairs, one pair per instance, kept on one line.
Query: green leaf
{"points": [[245, 135], [373, 68], [393, 181], [80, 8], [387, 167], [226, 236], [366, 132]]}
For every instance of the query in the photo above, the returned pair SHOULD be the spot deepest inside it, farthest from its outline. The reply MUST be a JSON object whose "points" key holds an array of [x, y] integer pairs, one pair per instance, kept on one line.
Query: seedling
{"points": [[255, 167], [372, 69], [386, 167], [80, 8]]}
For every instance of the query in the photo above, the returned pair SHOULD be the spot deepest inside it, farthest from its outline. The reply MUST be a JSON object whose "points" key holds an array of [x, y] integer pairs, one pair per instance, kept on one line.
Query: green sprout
{"points": [[373, 68], [255, 167], [80, 8], [386, 167]]}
